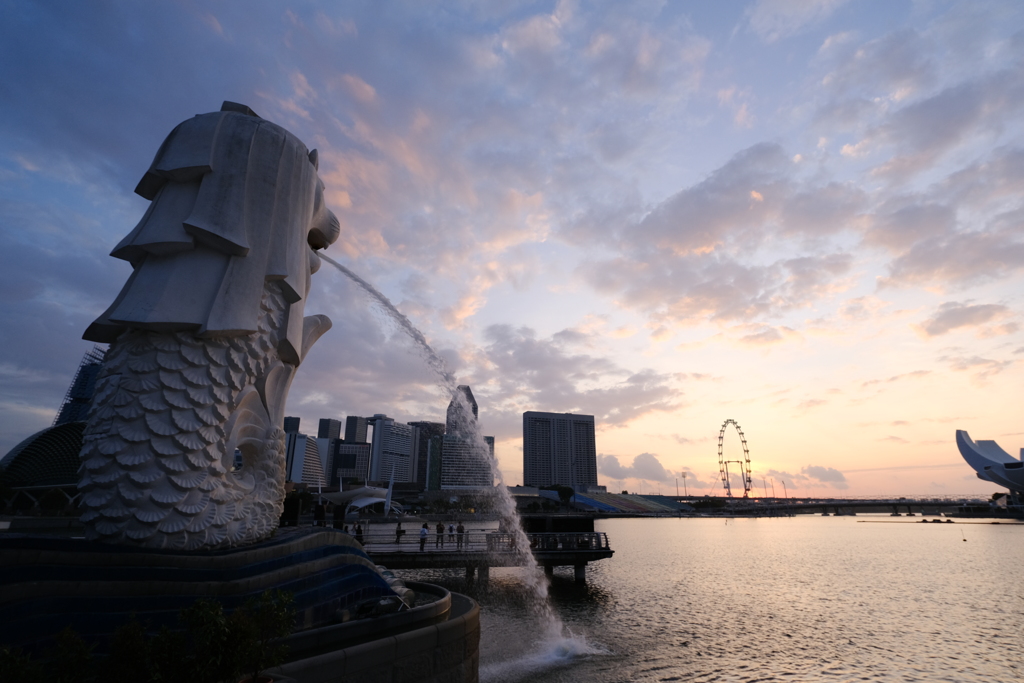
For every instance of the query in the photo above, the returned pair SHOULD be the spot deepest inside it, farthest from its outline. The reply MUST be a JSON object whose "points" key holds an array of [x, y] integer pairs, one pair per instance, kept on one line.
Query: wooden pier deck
{"points": [[479, 551]]}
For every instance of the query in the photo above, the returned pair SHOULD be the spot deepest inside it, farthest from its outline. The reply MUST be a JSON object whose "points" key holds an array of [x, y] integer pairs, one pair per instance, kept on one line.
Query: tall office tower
{"points": [[559, 448], [393, 449], [291, 425], [329, 429], [77, 400], [426, 430], [465, 465], [457, 460], [350, 463], [458, 411], [435, 450], [355, 429], [302, 460]]}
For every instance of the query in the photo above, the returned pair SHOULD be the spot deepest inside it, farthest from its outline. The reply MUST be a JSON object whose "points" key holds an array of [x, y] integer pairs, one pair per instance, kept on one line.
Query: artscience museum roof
{"points": [[991, 462]]}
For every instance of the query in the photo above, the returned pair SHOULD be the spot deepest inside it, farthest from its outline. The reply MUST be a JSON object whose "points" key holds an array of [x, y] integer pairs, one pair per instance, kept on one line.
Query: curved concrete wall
{"points": [[47, 584], [446, 652]]}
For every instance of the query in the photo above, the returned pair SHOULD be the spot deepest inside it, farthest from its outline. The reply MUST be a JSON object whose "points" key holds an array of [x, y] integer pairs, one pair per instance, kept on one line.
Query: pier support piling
{"points": [[485, 575], [580, 573], [549, 570], [470, 573]]}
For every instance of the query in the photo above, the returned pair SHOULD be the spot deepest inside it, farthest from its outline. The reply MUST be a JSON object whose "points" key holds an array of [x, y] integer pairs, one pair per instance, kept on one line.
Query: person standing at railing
{"points": [[460, 532], [399, 532], [358, 535], [423, 536], [451, 532], [439, 541]]}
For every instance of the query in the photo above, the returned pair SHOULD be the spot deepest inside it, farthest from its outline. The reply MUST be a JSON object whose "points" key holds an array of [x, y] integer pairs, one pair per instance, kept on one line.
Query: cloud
{"points": [[504, 171], [902, 221], [825, 475], [953, 314], [866, 76], [811, 403], [359, 89], [799, 479], [519, 369], [645, 466], [896, 378], [924, 130], [958, 260], [679, 263], [775, 19], [980, 367], [766, 335]]}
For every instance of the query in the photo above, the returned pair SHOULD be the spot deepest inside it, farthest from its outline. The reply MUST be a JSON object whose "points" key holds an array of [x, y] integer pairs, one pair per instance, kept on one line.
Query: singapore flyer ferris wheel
{"points": [[744, 464]]}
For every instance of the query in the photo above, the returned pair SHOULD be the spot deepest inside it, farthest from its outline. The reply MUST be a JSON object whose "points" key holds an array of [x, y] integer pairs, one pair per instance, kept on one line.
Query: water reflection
{"points": [[799, 599]]}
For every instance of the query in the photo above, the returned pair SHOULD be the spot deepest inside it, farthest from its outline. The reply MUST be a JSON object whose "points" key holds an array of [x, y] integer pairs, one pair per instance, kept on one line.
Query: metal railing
{"points": [[483, 541]]}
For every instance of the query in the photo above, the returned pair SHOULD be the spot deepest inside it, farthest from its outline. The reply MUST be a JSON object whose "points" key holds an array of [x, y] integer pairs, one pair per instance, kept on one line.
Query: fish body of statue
{"points": [[205, 338]]}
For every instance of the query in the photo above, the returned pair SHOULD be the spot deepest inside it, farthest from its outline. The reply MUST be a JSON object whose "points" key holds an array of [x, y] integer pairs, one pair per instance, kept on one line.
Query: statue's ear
{"points": [[314, 159]]}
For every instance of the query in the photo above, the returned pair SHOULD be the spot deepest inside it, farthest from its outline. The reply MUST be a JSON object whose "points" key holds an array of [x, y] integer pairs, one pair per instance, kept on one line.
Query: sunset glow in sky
{"points": [[807, 216]]}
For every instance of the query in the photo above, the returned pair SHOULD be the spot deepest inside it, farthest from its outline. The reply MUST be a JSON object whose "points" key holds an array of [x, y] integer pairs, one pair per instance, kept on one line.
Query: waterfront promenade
{"points": [[968, 506], [479, 551]]}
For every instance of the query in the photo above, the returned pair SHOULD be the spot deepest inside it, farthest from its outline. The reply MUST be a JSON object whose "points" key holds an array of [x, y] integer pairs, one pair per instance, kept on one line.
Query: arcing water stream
{"points": [[560, 646]]}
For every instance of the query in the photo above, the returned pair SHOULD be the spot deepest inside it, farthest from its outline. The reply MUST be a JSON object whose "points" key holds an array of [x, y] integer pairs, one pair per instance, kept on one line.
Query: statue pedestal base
{"points": [[47, 584]]}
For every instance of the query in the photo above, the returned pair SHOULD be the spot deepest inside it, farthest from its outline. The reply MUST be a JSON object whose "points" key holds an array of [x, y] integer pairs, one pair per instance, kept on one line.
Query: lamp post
{"points": [[684, 485]]}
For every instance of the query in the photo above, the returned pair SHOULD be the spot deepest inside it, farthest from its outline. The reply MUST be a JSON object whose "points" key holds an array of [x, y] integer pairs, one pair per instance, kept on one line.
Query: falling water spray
{"points": [[468, 429]]}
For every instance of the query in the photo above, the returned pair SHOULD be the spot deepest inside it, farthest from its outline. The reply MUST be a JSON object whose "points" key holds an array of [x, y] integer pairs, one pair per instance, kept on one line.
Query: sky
{"points": [[804, 216]]}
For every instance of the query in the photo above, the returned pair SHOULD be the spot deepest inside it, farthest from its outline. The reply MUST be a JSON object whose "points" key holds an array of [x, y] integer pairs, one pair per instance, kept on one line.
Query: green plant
{"points": [[212, 647], [210, 642], [133, 655], [68, 660], [565, 493], [17, 666], [71, 660], [256, 625]]}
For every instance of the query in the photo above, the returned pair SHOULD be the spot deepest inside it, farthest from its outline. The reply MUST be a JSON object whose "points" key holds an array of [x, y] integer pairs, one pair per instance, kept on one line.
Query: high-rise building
{"points": [[302, 460], [462, 411], [329, 429], [559, 448], [79, 395], [350, 462], [455, 459], [291, 425], [355, 429], [426, 431], [435, 446], [393, 449], [465, 464]]}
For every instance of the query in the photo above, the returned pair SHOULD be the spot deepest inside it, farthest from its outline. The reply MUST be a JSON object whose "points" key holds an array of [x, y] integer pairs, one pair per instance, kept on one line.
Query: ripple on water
{"points": [[798, 599]]}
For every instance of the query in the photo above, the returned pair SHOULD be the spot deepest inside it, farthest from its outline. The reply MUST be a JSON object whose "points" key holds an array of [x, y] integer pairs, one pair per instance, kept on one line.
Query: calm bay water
{"points": [[787, 599]]}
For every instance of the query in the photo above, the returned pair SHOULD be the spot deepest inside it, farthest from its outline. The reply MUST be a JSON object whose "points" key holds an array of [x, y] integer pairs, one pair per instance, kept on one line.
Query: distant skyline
{"points": [[807, 216]]}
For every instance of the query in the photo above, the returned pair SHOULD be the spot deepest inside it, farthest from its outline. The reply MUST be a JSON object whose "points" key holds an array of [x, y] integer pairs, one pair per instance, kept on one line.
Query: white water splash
{"points": [[559, 652], [558, 642]]}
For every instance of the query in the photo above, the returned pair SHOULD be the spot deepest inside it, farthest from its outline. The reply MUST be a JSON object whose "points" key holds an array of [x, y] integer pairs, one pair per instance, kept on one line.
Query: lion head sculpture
{"points": [[205, 338]]}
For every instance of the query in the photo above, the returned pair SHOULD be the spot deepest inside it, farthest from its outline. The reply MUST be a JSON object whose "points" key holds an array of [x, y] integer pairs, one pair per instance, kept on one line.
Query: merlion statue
{"points": [[205, 338]]}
